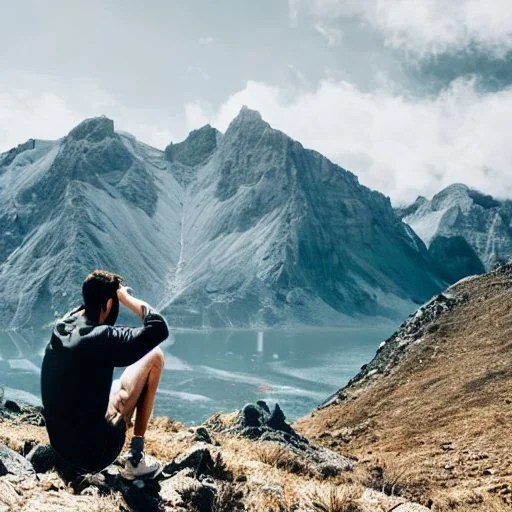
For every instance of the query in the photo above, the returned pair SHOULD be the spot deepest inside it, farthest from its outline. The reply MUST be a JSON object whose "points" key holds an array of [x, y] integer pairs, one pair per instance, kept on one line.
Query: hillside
{"points": [[434, 408], [251, 460]]}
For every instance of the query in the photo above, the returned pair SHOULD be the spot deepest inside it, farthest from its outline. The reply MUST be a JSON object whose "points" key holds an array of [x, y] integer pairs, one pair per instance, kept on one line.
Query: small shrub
{"points": [[336, 499], [390, 477], [282, 458], [229, 497]]}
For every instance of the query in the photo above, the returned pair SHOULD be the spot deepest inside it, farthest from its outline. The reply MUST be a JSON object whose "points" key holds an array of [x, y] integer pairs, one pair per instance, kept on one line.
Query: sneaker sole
{"points": [[147, 476]]}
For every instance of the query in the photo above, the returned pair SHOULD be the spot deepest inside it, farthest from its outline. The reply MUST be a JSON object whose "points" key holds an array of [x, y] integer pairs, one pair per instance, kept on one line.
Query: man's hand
{"points": [[136, 305], [122, 293]]}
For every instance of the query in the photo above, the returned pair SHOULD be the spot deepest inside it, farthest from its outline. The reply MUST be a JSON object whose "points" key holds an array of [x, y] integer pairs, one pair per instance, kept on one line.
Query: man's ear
{"points": [[108, 306]]}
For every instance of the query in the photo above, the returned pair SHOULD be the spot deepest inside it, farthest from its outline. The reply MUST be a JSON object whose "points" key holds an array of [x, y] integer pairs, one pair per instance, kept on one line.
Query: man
{"points": [[86, 413]]}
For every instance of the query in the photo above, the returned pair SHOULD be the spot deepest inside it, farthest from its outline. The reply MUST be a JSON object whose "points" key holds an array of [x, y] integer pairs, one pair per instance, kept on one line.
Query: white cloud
{"points": [[206, 41], [25, 115], [424, 27], [329, 33], [41, 109], [401, 146], [195, 115]]}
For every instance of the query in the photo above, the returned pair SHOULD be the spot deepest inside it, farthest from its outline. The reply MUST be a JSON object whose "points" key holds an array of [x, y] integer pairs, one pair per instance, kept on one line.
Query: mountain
{"points": [[245, 228], [433, 408], [465, 231], [93, 199]]}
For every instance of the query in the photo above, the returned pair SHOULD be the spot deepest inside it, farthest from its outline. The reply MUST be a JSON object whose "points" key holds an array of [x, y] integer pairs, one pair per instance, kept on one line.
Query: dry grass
{"points": [[445, 412], [283, 458], [391, 476], [337, 499], [19, 437]]}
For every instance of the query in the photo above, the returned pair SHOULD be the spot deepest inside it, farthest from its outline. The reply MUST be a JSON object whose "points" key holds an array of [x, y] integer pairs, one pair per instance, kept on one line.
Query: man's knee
{"points": [[158, 358]]}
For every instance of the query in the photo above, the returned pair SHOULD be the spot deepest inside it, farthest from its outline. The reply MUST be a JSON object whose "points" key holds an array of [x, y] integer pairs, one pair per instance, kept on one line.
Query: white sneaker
{"points": [[147, 468]]}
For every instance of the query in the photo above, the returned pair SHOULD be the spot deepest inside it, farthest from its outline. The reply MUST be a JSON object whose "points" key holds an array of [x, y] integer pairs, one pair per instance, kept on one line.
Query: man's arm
{"points": [[128, 344], [127, 300]]}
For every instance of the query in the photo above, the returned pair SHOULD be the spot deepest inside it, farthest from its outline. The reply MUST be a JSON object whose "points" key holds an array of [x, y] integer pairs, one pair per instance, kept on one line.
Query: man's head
{"points": [[99, 291]]}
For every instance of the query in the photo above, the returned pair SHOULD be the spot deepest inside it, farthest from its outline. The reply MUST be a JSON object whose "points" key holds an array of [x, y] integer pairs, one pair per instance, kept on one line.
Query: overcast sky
{"points": [[410, 95]]}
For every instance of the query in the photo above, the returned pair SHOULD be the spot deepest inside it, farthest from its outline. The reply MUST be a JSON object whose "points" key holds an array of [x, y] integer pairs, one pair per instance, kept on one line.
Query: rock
{"points": [[12, 406], [197, 458], [42, 458], [202, 435], [9, 497], [255, 421], [90, 491], [13, 463], [252, 415], [183, 490], [145, 498], [277, 421]]}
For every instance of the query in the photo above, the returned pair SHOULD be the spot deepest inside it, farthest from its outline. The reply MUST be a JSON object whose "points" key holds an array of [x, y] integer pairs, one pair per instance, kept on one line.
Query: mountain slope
{"points": [[90, 200], [466, 232], [436, 399], [274, 233], [242, 229]]}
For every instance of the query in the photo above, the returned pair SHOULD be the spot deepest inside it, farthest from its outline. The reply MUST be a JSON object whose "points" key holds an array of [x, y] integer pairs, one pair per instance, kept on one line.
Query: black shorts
{"points": [[100, 451]]}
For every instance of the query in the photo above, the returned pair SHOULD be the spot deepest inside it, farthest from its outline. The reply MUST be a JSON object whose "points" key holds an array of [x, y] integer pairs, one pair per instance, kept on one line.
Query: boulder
{"points": [[13, 463], [197, 458], [42, 458]]}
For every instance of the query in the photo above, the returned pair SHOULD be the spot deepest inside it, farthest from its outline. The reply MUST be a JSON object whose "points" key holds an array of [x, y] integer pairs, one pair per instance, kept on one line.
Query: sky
{"points": [[409, 95]]}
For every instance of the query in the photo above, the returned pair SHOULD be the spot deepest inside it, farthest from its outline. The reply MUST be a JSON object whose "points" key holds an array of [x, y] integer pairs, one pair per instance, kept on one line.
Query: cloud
{"points": [[206, 41], [195, 115], [401, 146], [43, 115], [423, 27], [329, 33], [42, 108]]}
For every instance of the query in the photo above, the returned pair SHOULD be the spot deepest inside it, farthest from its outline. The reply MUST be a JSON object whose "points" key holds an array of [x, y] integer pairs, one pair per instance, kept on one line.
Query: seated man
{"points": [[86, 413]]}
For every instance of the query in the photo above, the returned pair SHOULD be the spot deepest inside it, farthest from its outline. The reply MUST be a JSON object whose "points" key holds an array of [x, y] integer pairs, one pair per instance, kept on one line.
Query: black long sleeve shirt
{"points": [[77, 372]]}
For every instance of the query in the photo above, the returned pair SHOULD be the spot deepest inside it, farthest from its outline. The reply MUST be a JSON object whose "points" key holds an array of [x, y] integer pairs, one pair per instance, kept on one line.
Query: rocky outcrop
{"points": [[393, 350], [257, 422]]}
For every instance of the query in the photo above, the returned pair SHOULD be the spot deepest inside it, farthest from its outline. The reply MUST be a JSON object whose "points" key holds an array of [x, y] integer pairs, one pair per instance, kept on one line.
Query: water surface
{"points": [[220, 370]]}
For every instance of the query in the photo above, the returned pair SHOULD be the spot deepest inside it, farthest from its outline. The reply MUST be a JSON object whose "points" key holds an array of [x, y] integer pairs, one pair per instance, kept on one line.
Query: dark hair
{"points": [[97, 288]]}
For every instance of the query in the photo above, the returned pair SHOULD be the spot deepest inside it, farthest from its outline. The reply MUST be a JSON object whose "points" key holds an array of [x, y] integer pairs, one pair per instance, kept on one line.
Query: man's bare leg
{"points": [[135, 392], [138, 386]]}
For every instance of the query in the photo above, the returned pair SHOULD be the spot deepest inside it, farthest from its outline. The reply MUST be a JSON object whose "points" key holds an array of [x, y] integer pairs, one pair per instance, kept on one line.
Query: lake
{"points": [[221, 370]]}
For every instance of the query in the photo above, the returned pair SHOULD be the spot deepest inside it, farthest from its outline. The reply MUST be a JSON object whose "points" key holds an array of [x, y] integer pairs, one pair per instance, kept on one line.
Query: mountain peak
{"points": [[94, 129], [195, 149], [247, 123], [454, 189], [247, 115]]}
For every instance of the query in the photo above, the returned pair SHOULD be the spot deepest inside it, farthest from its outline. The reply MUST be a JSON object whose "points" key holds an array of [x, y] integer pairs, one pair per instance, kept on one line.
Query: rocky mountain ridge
{"points": [[466, 232], [245, 228]]}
